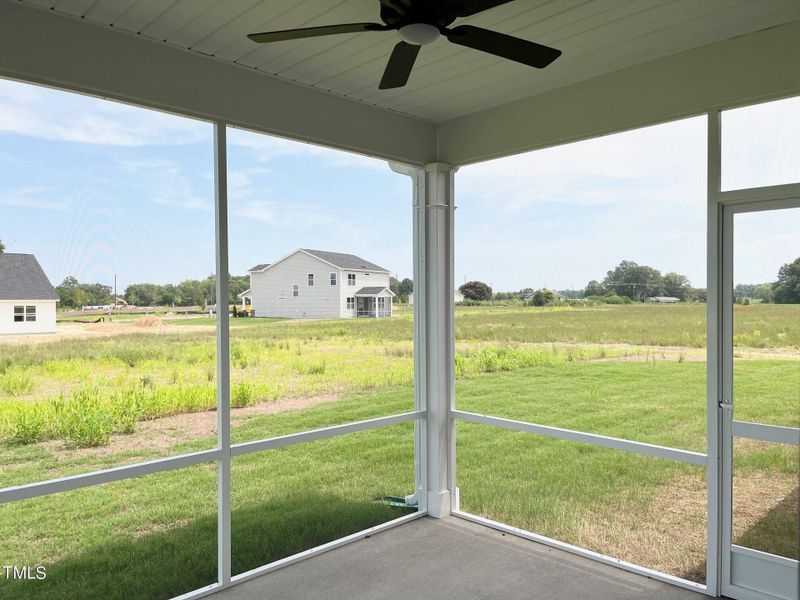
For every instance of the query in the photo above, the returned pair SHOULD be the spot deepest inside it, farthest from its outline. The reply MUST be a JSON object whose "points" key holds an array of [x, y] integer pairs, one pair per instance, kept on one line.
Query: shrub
{"points": [[243, 394], [27, 424], [86, 420], [128, 408]]}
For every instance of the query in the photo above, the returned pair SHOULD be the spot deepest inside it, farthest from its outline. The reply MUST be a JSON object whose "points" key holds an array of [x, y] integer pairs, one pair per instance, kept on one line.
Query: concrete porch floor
{"points": [[450, 559]]}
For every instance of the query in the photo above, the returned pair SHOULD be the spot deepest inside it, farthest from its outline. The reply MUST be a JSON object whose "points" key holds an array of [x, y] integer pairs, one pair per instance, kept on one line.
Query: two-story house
{"points": [[319, 284]]}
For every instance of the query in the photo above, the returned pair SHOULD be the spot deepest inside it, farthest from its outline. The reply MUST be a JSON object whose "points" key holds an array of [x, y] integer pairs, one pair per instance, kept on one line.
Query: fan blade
{"points": [[467, 8], [399, 67], [500, 44], [308, 32]]}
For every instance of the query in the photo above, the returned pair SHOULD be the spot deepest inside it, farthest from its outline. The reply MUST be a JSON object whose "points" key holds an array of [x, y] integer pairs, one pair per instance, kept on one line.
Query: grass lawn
{"points": [[65, 408], [295, 498]]}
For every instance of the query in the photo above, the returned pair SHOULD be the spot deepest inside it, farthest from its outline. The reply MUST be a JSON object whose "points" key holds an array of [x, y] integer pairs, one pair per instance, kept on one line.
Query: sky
{"points": [[96, 189]]}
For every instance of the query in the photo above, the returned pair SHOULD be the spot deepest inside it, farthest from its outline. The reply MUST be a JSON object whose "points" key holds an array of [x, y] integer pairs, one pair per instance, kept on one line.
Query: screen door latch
{"points": [[725, 405]]}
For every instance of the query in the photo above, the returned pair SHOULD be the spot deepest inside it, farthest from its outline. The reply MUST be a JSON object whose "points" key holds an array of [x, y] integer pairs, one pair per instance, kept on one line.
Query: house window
{"points": [[381, 303], [351, 303], [333, 278], [24, 313], [310, 280], [295, 290], [351, 279]]}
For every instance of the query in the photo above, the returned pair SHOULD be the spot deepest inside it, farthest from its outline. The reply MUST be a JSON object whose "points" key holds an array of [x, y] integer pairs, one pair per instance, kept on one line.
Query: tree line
{"points": [[190, 292], [639, 282], [785, 290]]}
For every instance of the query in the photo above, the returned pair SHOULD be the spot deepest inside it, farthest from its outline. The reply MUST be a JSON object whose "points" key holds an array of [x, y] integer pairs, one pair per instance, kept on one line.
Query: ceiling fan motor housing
{"points": [[419, 34]]}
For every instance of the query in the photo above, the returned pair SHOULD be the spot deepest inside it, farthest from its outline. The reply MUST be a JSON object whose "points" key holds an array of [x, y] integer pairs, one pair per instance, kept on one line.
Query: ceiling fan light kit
{"points": [[419, 34], [421, 22]]}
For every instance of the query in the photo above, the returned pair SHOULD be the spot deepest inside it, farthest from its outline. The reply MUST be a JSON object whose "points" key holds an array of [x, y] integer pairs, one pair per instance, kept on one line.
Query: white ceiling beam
{"points": [[758, 66], [43, 47]]}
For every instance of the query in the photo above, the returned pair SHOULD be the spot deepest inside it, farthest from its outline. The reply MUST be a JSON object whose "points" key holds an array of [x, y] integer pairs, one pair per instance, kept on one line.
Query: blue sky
{"points": [[95, 188]]}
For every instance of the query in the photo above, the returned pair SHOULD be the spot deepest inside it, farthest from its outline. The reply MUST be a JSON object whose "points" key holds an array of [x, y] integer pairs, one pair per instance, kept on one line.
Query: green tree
{"points": [[634, 281], [764, 293], [167, 295], [191, 292], [787, 289], [677, 286], [2, 247], [744, 290], [593, 288], [476, 290], [405, 288], [66, 292], [236, 285], [82, 298], [142, 294], [99, 294], [698, 294], [543, 297]]}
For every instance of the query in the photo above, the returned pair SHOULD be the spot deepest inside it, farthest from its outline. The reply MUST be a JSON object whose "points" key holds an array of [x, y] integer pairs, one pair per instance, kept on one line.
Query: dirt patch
{"points": [[161, 434], [148, 322], [152, 528]]}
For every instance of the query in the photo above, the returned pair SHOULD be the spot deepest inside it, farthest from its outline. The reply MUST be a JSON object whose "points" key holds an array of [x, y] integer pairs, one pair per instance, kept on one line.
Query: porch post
{"points": [[435, 313], [434, 345]]}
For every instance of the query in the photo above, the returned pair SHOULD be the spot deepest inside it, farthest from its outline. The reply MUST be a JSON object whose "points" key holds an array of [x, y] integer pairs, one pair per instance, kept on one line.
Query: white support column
{"points": [[435, 313], [223, 356], [434, 342]]}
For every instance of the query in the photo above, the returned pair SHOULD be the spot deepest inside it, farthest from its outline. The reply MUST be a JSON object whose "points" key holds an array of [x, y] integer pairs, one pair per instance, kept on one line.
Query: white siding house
{"points": [[318, 284], [27, 298]]}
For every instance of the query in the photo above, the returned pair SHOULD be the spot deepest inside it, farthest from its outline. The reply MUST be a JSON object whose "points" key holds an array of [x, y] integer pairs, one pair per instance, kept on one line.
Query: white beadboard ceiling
{"points": [[448, 81]]}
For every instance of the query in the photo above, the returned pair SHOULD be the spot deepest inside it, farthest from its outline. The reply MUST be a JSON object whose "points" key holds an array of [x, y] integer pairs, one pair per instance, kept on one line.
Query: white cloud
{"points": [[38, 197], [63, 116], [286, 215], [163, 181]]}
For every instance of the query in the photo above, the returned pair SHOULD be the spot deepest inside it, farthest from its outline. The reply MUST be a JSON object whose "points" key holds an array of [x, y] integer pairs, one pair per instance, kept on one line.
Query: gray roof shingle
{"points": [[260, 267], [22, 278], [346, 261], [370, 291]]}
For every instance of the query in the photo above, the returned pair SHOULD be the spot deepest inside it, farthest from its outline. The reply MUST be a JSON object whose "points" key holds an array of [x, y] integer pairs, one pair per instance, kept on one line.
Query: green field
{"points": [[636, 372]]}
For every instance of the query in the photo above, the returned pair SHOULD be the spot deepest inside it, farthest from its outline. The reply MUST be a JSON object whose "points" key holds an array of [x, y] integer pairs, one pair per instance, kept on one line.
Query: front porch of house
{"points": [[373, 303]]}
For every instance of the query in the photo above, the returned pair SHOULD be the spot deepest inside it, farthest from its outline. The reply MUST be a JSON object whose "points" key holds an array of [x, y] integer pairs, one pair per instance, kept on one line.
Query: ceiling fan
{"points": [[420, 22]]}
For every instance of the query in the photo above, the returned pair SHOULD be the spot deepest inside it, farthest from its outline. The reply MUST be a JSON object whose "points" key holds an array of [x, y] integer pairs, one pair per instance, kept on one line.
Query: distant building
{"points": [[664, 299], [558, 297], [27, 298], [458, 297], [318, 284]]}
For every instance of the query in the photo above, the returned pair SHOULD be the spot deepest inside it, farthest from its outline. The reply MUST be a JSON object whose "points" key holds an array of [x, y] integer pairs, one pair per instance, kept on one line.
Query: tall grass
{"points": [[16, 381], [139, 376]]}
